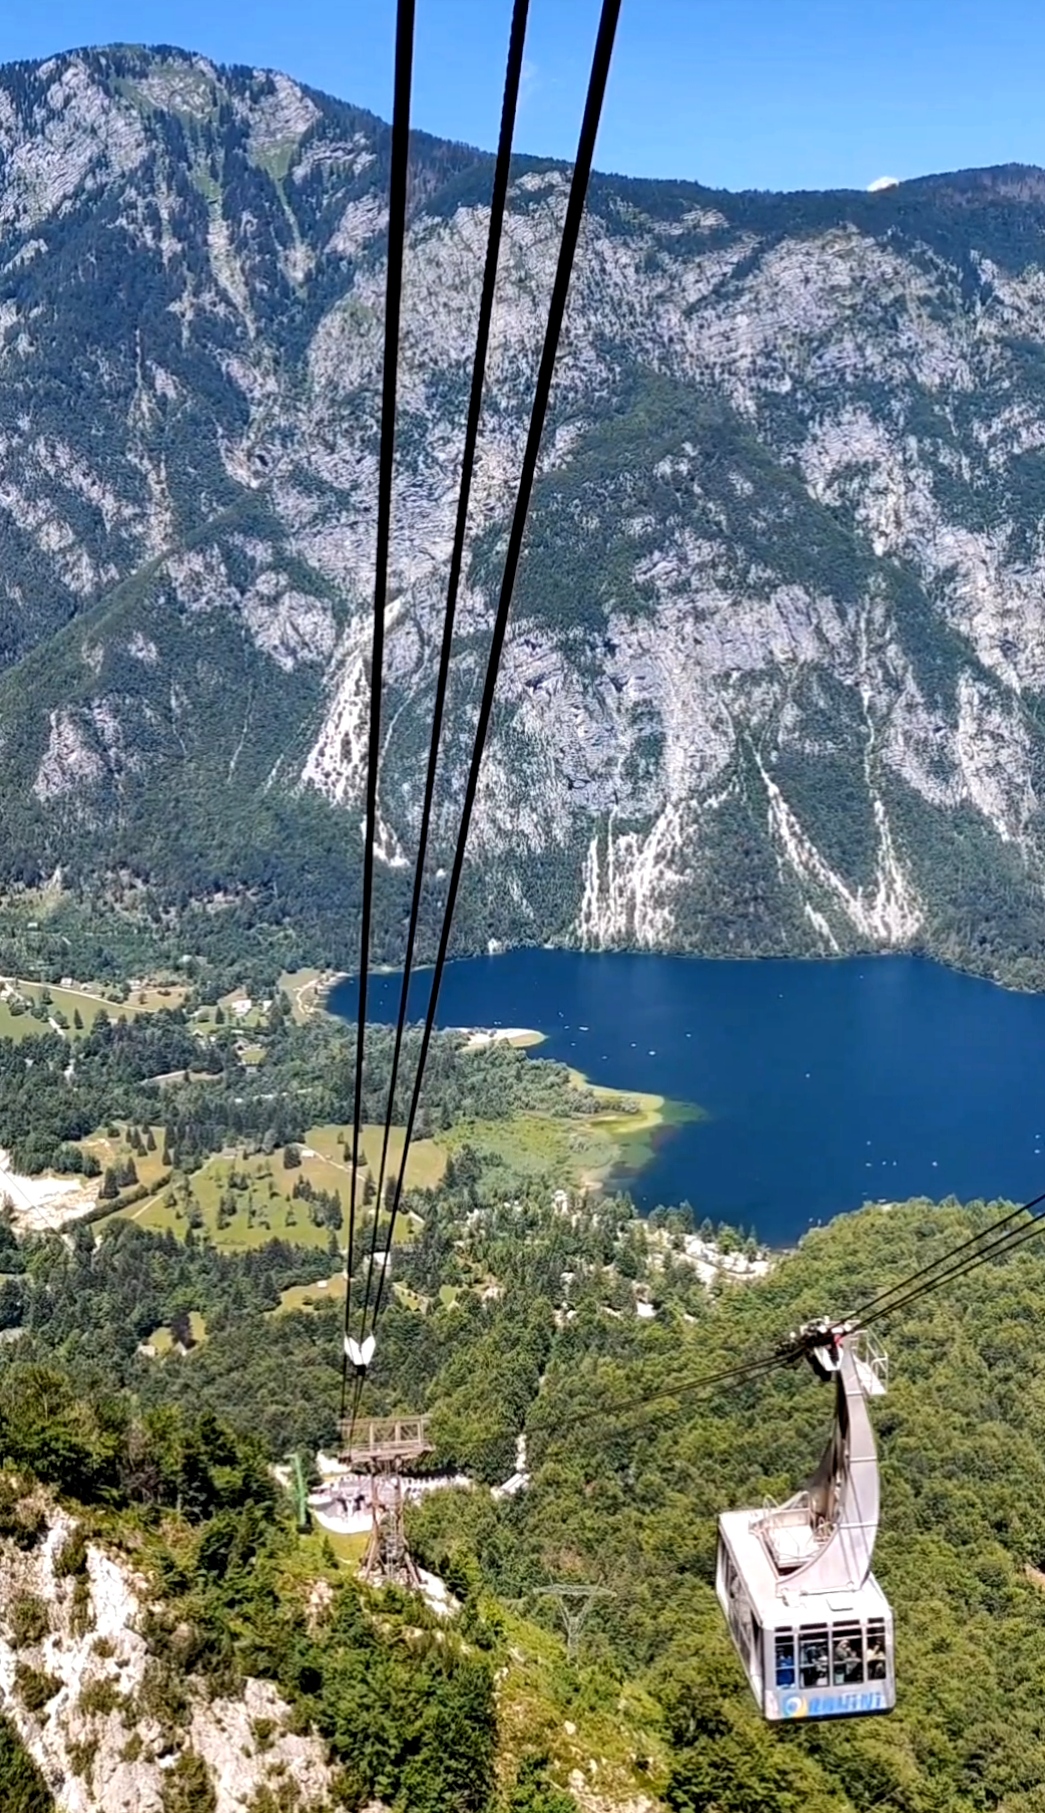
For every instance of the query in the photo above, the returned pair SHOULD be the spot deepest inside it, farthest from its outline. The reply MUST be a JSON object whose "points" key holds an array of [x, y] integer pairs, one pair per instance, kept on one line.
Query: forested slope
{"points": [[627, 1497], [628, 1473]]}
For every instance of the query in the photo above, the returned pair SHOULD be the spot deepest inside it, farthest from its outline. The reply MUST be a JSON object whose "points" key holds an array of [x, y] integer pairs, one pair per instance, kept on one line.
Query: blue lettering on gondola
{"points": [[828, 1705]]}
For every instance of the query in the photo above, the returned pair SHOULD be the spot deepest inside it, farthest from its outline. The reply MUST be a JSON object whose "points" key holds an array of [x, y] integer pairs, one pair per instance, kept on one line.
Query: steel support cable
{"points": [[998, 1248], [397, 187], [886, 1302], [945, 1259], [786, 1355], [760, 1367], [556, 313], [744, 1373], [498, 204]]}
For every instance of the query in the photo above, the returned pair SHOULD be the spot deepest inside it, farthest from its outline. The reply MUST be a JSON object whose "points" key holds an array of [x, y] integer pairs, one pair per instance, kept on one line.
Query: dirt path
{"points": [[85, 994]]}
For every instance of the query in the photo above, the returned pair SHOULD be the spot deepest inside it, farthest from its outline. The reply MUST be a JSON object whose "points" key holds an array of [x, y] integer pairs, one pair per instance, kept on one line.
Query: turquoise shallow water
{"points": [[824, 1084]]}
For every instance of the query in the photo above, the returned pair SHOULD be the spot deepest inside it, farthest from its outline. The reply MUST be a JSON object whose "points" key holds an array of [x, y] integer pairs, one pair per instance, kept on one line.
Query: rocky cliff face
{"points": [[775, 674], [92, 1684]]}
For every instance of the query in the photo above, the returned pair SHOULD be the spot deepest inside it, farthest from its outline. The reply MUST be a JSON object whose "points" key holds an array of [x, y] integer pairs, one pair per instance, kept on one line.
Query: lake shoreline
{"points": [[655, 1114], [917, 953], [824, 1084], [627, 1129]]}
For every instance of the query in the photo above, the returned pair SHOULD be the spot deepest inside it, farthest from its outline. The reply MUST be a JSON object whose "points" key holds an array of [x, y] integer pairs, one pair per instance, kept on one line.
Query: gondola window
{"points": [[812, 1657], [847, 1656], [785, 1658]]}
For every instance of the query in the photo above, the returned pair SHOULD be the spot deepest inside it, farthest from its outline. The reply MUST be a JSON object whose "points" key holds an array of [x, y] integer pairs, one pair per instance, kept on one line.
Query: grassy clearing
{"points": [[87, 999], [530, 1145], [111, 1150], [651, 1108], [304, 988], [162, 1339], [575, 1151], [236, 1009], [309, 1296], [88, 1003], [260, 1187], [425, 1165], [348, 1549], [18, 1026], [581, 1150], [311, 1560], [153, 997]]}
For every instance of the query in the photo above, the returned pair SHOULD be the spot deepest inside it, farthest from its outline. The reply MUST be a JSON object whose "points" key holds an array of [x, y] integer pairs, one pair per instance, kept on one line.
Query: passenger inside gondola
{"points": [[847, 1662], [785, 1659], [812, 1660], [876, 1660]]}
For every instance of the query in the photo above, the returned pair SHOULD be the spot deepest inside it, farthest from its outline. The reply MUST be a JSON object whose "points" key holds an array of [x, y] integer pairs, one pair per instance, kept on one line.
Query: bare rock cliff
{"points": [[774, 679]]}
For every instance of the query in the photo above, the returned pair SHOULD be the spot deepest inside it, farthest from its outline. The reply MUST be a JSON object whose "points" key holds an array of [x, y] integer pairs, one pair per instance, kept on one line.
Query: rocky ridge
{"points": [[775, 670]]}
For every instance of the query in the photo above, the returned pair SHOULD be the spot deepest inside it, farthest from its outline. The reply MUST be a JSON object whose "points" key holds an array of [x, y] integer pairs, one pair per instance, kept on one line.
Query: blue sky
{"points": [[738, 93]]}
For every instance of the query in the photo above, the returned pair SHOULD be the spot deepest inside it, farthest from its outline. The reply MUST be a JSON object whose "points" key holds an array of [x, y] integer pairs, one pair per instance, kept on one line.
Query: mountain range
{"points": [[774, 679]]}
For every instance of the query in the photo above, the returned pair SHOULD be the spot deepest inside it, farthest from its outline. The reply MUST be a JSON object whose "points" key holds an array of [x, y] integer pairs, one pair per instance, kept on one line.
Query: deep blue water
{"points": [[825, 1084]]}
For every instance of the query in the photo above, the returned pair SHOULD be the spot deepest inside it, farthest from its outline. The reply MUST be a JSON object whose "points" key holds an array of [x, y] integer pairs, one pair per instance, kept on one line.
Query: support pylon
{"points": [[381, 1446], [574, 1603]]}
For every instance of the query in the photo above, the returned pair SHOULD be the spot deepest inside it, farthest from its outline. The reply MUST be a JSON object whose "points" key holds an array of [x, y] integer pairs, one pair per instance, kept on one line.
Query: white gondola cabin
{"points": [[811, 1625]]}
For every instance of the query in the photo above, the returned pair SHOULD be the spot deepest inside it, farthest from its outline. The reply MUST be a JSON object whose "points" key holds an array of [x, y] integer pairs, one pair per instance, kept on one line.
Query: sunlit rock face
{"points": [[84, 1637], [774, 673]]}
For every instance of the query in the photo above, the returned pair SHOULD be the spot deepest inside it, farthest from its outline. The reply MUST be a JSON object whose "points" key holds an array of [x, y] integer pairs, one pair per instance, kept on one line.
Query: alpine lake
{"points": [[792, 1090]]}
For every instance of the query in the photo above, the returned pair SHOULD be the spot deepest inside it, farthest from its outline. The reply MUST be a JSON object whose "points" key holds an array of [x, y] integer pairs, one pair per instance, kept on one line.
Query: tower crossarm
{"points": [[384, 1444]]}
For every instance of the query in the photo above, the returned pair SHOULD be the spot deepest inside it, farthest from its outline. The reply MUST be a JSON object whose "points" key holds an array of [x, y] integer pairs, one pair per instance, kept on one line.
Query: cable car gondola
{"points": [[811, 1625]]}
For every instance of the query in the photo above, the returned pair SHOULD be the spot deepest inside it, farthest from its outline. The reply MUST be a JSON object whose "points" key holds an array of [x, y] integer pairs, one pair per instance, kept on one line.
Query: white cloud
{"points": [[882, 182]]}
